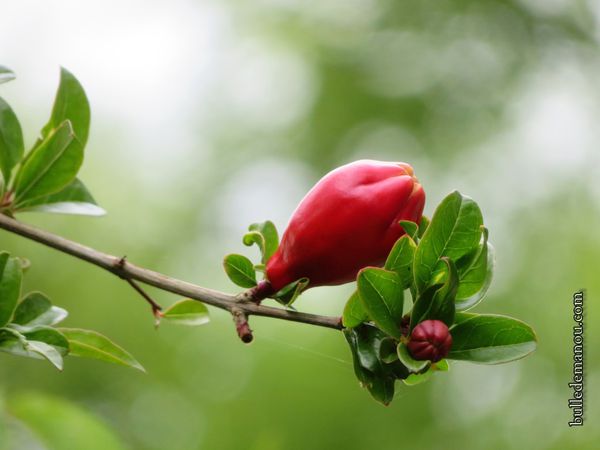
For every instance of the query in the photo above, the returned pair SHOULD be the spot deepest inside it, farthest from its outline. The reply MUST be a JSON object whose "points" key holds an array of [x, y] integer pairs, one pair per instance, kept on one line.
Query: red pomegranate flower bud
{"points": [[348, 220], [430, 340]]}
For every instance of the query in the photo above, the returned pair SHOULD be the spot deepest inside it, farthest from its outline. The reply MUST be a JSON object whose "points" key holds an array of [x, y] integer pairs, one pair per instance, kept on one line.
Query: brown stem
{"points": [[129, 271], [241, 325], [156, 308]]}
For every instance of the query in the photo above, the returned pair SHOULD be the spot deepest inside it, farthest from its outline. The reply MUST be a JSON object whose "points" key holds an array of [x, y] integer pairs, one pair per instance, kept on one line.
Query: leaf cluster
{"points": [[243, 272], [45, 177], [45, 180], [436, 271], [28, 325]]}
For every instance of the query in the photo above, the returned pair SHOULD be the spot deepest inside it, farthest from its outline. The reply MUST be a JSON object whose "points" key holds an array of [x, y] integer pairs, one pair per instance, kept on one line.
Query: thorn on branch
{"points": [[242, 327], [120, 267]]}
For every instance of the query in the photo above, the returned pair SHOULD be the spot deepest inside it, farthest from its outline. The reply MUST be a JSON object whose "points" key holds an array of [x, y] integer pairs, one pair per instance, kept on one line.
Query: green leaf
{"points": [[254, 237], [10, 286], [382, 388], [50, 167], [70, 104], [73, 199], [11, 140], [369, 341], [398, 369], [46, 351], [382, 297], [90, 344], [423, 224], [410, 228], [455, 230], [417, 378], [36, 309], [363, 374], [411, 364], [400, 260], [6, 74], [60, 424], [13, 342], [187, 312], [490, 339], [476, 279], [437, 302], [240, 270], [291, 292], [441, 366], [354, 312], [422, 306], [50, 336], [379, 378], [387, 350], [265, 236]]}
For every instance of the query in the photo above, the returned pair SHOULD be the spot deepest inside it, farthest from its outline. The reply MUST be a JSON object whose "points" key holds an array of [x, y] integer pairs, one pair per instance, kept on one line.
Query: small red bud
{"points": [[348, 220], [430, 340]]}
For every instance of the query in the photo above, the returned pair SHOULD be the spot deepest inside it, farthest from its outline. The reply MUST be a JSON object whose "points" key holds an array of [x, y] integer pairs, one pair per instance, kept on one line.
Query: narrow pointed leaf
{"points": [[11, 140], [187, 312], [73, 199], [70, 104], [240, 270], [51, 166], [490, 339], [90, 344]]}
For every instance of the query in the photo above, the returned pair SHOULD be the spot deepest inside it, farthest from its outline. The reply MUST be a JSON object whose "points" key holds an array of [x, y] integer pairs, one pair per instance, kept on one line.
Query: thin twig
{"points": [[128, 271], [156, 308]]}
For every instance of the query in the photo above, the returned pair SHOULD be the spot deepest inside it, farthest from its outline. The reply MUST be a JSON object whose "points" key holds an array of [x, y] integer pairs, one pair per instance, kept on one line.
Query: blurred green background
{"points": [[211, 115]]}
